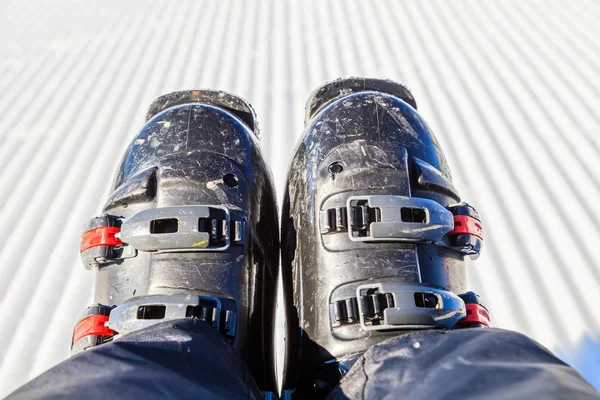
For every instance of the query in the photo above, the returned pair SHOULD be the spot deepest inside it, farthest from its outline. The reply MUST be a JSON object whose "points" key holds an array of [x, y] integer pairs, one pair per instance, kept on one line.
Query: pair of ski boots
{"points": [[373, 233]]}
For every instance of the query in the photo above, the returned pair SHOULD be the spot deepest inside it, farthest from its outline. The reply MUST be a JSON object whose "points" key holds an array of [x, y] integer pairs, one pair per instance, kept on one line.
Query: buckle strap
{"points": [[390, 305], [182, 228], [169, 229], [334, 220], [346, 311], [388, 218], [385, 218], [141, 312]]}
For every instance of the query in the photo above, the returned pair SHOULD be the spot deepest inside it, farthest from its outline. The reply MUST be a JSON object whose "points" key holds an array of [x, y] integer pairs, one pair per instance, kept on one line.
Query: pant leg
{"points": [[463, 364], [183, 359]]}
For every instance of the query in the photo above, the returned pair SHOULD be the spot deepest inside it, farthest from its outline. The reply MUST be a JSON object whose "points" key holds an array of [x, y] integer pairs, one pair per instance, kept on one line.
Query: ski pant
{"points": [[188, 359]]}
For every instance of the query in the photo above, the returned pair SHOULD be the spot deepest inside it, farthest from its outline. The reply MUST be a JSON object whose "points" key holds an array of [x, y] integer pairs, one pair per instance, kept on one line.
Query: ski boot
{"points": [[374, 234], [189, 231]]}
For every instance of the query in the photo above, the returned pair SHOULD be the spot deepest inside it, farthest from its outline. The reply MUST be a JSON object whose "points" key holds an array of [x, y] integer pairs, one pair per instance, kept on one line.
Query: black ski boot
{"points": [[189, 231], [374, 233]]}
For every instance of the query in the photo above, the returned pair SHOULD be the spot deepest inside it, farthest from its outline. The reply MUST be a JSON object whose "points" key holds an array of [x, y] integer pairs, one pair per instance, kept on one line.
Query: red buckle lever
{"points": [[102, 236], [467, 224], [92, 325], [476, 314]]}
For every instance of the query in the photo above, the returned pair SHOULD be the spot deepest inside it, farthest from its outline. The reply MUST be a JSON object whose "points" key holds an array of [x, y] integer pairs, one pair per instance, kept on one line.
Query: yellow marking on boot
{"points": [[200, 243]]}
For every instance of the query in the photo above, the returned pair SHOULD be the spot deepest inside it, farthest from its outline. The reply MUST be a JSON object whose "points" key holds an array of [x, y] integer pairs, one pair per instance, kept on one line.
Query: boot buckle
{"points": [[390, 305], [142, 312], [182, 228], [397, 218]]}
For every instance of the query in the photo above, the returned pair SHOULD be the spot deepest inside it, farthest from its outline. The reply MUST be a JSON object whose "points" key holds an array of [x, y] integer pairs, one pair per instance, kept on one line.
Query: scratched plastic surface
{"points": [[511, 89]]}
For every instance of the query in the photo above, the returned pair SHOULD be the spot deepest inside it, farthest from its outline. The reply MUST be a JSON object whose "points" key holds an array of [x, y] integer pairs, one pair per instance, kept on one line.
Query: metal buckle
{"points": [[91, 331], [467, 235], [182, 228], [100, 243], [444, 312], [103, 255], [145, 311], [397, 218]]}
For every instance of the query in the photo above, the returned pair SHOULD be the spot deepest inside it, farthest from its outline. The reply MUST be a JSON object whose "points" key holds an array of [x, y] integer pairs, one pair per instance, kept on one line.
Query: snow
{"points": [[511, 89]]}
